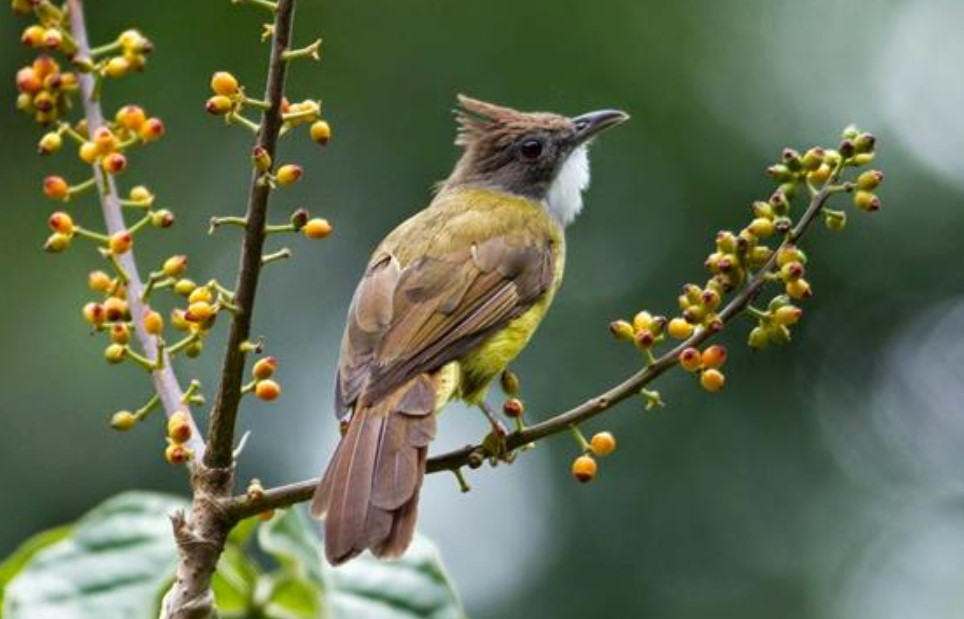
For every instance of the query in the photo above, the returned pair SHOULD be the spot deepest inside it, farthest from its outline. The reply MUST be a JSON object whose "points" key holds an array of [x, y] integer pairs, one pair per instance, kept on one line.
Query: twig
{"points": [[242, 506], [228, 399], [165, 381]]}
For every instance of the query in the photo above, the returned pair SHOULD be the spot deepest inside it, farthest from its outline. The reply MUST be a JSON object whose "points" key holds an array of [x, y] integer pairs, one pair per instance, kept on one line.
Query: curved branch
{"points": [[242, 507], [224, 414], [165, 381]]}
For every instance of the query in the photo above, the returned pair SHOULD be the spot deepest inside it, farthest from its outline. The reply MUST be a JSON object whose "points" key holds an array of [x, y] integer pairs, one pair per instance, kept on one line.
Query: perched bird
{"points": [[448, 299]]}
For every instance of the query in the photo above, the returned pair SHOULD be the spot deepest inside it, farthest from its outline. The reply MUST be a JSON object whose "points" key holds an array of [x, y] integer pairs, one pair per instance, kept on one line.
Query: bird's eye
{"points": [[530, 148]]}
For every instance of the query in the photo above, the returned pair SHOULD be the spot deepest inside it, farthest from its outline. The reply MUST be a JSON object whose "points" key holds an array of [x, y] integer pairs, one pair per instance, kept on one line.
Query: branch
{"points": [[225, 412], [242, 506], [165, 381]]}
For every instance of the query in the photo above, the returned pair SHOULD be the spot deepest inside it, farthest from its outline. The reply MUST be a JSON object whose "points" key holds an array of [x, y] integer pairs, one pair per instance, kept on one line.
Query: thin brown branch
{"points": [[242, 507], [228, 399], [165, 381]]}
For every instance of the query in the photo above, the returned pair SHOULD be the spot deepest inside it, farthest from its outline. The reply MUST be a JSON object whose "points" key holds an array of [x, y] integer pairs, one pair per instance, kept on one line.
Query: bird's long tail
{"points": [[369, 492]]}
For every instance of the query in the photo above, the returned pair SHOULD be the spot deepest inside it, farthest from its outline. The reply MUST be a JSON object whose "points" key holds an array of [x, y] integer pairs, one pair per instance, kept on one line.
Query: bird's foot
{"points": [[495, 442]]}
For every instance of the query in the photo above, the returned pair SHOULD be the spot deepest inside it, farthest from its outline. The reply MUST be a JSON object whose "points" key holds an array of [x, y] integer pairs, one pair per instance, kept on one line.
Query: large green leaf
{"points": [[15, 562], [111, 564]]}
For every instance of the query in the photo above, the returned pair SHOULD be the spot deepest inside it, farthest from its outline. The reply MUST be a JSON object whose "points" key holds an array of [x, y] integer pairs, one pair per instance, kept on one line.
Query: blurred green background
{"points": [[825, 482]]}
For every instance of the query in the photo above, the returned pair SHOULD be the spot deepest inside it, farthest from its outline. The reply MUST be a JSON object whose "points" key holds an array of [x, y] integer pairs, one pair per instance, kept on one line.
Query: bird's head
{"points": [[538, 155]]}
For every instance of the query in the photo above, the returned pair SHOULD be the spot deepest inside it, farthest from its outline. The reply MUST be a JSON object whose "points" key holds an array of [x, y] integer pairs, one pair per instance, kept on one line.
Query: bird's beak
{"points": [[593, 123]]}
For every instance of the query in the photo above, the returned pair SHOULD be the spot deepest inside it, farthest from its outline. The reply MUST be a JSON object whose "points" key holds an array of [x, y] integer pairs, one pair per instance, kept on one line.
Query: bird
{"points": [[449, 298]]}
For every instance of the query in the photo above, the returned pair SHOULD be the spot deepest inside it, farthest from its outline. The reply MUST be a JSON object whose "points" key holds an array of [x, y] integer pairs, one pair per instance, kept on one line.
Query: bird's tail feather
{"points": [[369, 492]]}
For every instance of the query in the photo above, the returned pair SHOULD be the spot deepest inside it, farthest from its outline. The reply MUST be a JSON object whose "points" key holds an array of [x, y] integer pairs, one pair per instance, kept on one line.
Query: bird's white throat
{"points": [[564, 198]]}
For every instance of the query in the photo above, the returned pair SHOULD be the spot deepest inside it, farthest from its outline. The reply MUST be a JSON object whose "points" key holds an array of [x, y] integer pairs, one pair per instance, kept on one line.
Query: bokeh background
{"points": [[825, 482]]}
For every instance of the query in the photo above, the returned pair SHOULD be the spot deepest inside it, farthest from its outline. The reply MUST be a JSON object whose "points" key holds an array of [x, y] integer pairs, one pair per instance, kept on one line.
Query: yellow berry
{"points": [[714, 356], [267, 390], [175, 266], [866, 200], [118, 66], [120, 242], [622, 330], [691, 359], [758, 338], [130, 117], [820, 175], [680, 329], [712, 380], [799, 289], [88, 152], [33, 36], [98, 281], [184, 287], [201, 293], [317, 228], [761, 227], [162, 218], [225, 84], [179, 427], [288, 173], [199, 311], [260, 158], [115, 353], [177, 454], [603, 444], [584, 468], [123, 420], [790, 253], [787, 315], [53, 38], [94, 313], [264, 368], [320, 132], [218, 105], [153, 323], [56, 243], [51, 142]]}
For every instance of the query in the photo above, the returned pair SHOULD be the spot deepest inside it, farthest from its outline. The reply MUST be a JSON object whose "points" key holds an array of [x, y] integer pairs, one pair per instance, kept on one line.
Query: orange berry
{"points": [[56, 188], [152, 129], [267, 390], [94, 313], [264, 368], [33, 36], [317, 228], [177, 454], [120, 242], [691, 359], [714, 356], [218, 105], [225, 84], [61, 222], [288, 173], [603, 444], [680, 329], [105, 139], [153, 323], [513, 408], [123, 420], [114, 163], [584, 468], [88, 152], [712, 380], [130, 117], [179, 427], [28, 81], [98, 281], [120, 333], [115, 308], [320, 132], [199, 311], [201, 293]]}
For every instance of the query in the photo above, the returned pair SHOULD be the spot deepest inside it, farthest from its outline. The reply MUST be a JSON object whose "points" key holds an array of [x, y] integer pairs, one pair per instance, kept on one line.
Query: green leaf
{"points": [[15, 562], [290, 538], [234, 582], [112, 564]]}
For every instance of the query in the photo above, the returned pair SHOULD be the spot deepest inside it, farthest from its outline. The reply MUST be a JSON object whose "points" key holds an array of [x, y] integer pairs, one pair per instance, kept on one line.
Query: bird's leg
{"points": [[495, 442], [497, 426]]}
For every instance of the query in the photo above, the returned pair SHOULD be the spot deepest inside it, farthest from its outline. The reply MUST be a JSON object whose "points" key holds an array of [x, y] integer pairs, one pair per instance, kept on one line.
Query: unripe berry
{"points": [[98, 281], [184, 287], [199, 311], [603, 444], [88, 152], [710, 299], [261, 159], [584, 468], [510, 383], [317, 228], [799, 289], [792, 271], [225, 84], [194, 350], [865, 142], [288, 174], [120, 242], [866, 200], [179, 427], [178, 321], [790, 253], [870, 180], [114, 163], [33, 36], [51, 142], [758, 338], [513, 408], [820, 175], [61, 222], [120, 333], [152, 129], [218, 105], [201, 293], [759, 255], [264, 368], [56, 243], [320, 132], [131, 117], [94, 313], [622, 330], [175, 266], [680, 329], [153, 323], [115, 353], [691, 359], [141, 194], [177, 454], [162, 218], [712, 380], [714, 356], [835, 220], [123, 421], [761, 227], [813, 158], [115, 308], [267, 390], [644, 339], [56, 188], [118, 66], [787, 315]]}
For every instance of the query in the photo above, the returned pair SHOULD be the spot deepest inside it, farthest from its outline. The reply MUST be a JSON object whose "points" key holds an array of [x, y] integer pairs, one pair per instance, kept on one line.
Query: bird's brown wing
{"points": [[407, 320]]}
